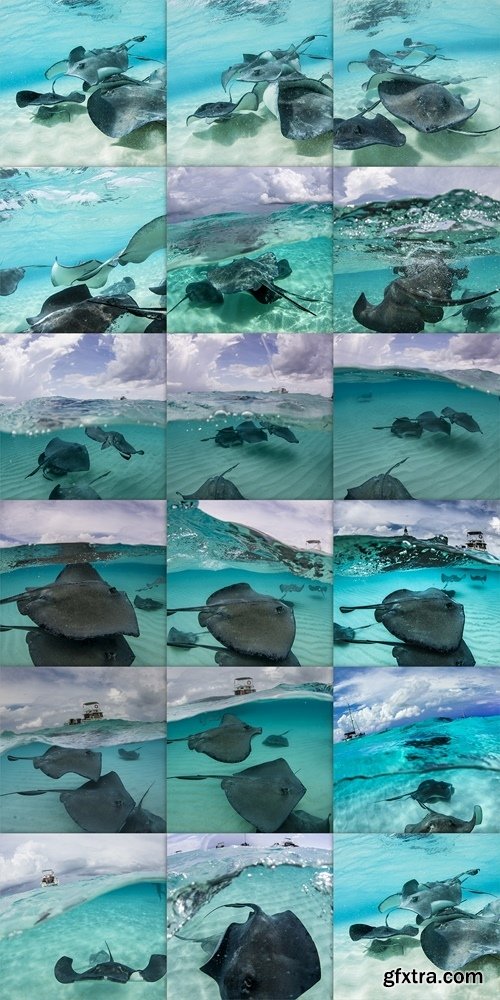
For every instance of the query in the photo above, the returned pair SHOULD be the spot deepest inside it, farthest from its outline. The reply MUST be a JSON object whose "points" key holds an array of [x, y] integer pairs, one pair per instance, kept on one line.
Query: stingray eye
{"points": [[413, 899], [247, 985], [112, 590], [279, 609], [80, 65]]}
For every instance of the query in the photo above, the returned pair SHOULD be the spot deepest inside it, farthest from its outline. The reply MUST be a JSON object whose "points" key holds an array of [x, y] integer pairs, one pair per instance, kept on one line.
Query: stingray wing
{"points": [[264, 795], [99, 806]]}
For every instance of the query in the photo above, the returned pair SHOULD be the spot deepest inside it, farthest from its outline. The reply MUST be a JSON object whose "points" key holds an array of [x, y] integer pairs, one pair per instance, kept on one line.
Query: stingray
{"points": [[462, 419], [377, 61], [227, 437], [267, 956], [231, 742], [358, 932], [55, 651], [177, 638], [94, 273], [142, 820], [413, 300], [425, 105], [303, 106], [79, 604], [63, 760], [321, 587], [94, 65], [455, 938], [451, 578], [403, 427], [300, 821], [263, 795], [269, 62], [129, 754], [122, 287], [430, 422], [85, 314], [286, 588], [279, 431], [121, 106], [248, 622], [424, 618], [219, 111], [201, 294], [276, 740], [112, 439], [358, 131], [427, 898], [10, 278], [342, 633], [434, 822], [478, 576], [250, 433], [147, 603], [77, 491], [31, 98], [61, 457], [383, 487], [100, 806], [413, 656], [215, 488], [114, 972], [428, 791], [228, 658]]}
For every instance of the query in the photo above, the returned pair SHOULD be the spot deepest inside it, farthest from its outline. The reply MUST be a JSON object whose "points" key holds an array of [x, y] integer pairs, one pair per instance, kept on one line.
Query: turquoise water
{"points": [[371, 867], [265, 470], [88, 912], [207, 36], [461, 228], [24, 437], [462, 465], [276, 879], [130, 568], [75, 216], [380, 765], [202, 805], [43, 32], [299, 233], [467, 35]]}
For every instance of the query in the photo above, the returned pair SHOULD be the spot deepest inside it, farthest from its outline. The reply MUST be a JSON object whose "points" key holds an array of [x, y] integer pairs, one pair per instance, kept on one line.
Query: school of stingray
{"points": [[102, 804], [301, 105], [450, 937], [74, 309], [117, 104], [265, 795], [79, 620]]}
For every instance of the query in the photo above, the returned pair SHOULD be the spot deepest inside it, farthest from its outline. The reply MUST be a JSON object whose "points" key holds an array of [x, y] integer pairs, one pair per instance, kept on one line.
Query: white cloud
{"points": [[140, 522], [290, 521], [362, 181]]}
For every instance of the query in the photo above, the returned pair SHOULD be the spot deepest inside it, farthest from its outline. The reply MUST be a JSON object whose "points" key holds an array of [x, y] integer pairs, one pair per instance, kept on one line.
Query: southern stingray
{"points": [[79, 605], [263, 795], [462, 419], [147, 603], [98, 806], [177, 638], [77, 491], [112, 439], [402, 427], [230, 742], [300, 821], [382, 487], [61, 457], [114, 972], [415, 656], [428, 791], [94, 65], [427, 898], [220, 111], [432, 423], [10, 278], [423, 618], [250, 433], [358, 131], [268, 64], [63, 760], [74, 310], [435, 822], [358, 932], [129, 754], [122, 105], [451, 578], [48, 650], [343, 633], [455, 938], [287, 588], [142, 820], [94, 273], [303, 106], [31, 98], [279, 430], [227, 437], [426, 105], [247, 622], [276, 739], [228, 658], [215, 488], [269, 956]]}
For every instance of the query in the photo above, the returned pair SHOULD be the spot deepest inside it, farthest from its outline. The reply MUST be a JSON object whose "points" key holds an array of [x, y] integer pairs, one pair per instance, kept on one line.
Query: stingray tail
{"points": [[484, 131], [394, 797], [35, 470], [11, 757], [296, 304], [102, 476], [184, 297]]}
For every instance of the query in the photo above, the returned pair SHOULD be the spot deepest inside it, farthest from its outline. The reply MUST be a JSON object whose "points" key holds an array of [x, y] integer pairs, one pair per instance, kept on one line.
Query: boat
{"points": [[475, 540], [48, 878], [354, 733], [91, 712], [243, 685]]}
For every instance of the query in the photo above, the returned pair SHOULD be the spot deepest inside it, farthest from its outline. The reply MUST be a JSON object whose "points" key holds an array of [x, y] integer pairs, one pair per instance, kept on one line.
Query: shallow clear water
{"points": [[393, 766], [276, 879], [75, 216], [202, 805], [141, 422], [299, 233], [207, 36], [461, 465], [461, 228], [43, 32], [370, 868], [468, 35], [265, 470]]}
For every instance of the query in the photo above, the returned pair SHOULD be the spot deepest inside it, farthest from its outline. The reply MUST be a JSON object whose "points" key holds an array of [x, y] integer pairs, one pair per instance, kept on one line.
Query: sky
{"points": [[196, 191], [210, 362], [360, 184], [204, 842], [82, 366], [22, 857], [381, 699], [423, 519], [128, 522], [439, 352], [185, 686], [290, 521], [36, 699]]}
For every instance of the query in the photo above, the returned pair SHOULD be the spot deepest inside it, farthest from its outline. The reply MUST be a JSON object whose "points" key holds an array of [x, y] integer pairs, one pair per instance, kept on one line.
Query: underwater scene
{"points": [[83, 82], [256, 595], [257, 744], [280, 445], [416, 82], [59, 449], [418, 263], [280, 939], [94, 918], [416, 917], [439, 430], [250, 83], [82, 251]]}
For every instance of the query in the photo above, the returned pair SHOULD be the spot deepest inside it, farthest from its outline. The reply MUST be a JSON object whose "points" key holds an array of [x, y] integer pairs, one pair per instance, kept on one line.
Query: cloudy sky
{"points": [[439, 352], [33, 699], [185, 686], [211, 362], [423, 519], [138, 522], [382, 698], [360, 184], [195, 191], [82, 366], [203, 842], [290, 521]]}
